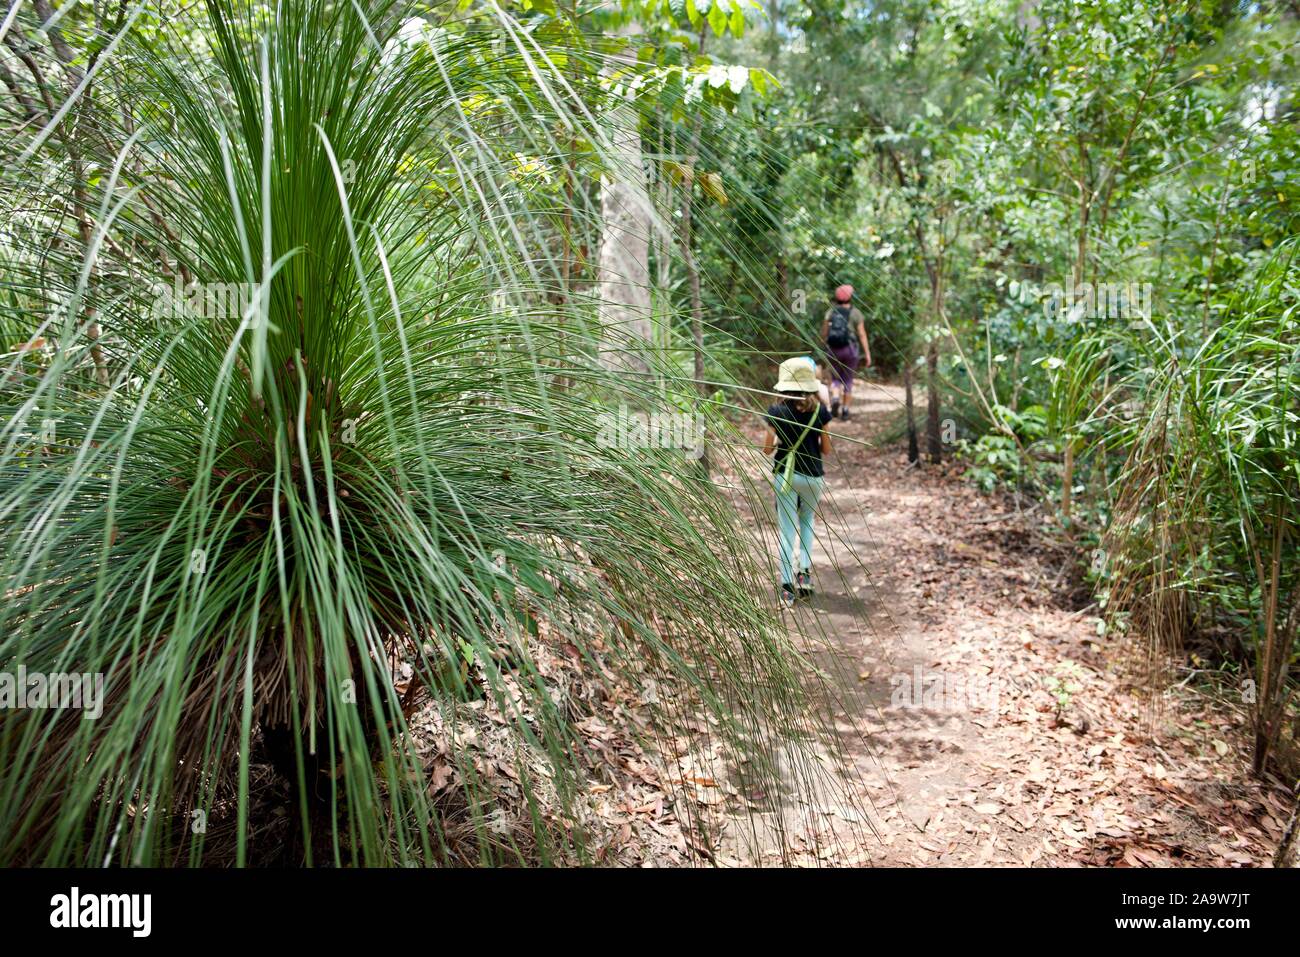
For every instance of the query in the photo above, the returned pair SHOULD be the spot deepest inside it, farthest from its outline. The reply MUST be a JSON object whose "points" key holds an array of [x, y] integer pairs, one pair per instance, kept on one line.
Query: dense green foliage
{"points": [[1076, 218]]}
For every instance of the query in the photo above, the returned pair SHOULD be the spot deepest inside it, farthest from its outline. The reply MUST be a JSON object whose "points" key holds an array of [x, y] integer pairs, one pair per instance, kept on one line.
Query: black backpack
{"points": [[839, 334]]}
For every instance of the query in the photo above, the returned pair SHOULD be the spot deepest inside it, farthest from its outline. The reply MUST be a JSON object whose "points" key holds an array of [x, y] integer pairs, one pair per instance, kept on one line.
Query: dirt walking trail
{"points": [[944, 626]]}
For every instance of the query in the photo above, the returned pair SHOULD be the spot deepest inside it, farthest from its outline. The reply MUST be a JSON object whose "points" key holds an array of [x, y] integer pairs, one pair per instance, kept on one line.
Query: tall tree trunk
{"points": [[693, 276], [1079, 271], [564, 293], [1081, 240], [913, 448], [624, 257], [933, 438], [697, 303], [68, 132], [665, 241], [566, 226]]}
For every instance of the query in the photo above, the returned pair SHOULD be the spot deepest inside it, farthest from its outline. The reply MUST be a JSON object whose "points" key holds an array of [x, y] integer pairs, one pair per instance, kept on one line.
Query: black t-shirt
{"points": [[800, 431]]}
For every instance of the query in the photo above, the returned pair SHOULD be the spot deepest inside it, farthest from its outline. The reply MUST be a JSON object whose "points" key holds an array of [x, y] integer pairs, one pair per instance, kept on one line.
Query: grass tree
{"points": [[269, 511]]}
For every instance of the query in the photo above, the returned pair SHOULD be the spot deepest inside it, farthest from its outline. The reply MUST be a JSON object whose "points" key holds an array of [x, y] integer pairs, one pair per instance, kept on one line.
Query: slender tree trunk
{"points": [[688, 257], [1081, 243], [665, 241], [624, 257], [933, 438], [68, 133], [913, 447], [80, 203], [1067, 481], [566, 228], [693, 277], [570, 179], [697, 303], [1080, 267]]}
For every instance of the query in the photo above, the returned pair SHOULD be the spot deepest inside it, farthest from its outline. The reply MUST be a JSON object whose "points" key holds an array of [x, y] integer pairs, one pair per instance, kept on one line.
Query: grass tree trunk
{"points": [[1279, 636], [1288, 850]]}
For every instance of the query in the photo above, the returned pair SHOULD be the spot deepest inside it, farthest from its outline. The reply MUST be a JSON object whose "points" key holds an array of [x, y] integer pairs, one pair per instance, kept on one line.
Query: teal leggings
{"points": [[796, 502]]}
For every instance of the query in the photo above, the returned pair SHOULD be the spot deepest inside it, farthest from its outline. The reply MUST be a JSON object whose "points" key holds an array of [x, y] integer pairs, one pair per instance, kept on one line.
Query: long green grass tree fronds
{"points": [[1206, 515], [325, 479]]}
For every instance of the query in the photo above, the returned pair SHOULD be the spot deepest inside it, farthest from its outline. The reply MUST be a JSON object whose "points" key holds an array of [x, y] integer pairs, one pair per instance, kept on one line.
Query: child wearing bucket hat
{"points": [[797, 435], [823, 393]]}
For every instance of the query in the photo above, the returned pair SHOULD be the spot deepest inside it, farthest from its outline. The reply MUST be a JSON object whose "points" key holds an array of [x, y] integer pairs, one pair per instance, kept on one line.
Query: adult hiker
{"points": [[797, 434], [842, 330]]}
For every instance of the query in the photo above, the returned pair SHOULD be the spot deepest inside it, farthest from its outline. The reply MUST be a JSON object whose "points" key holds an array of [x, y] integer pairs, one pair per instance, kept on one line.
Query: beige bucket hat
{"points": [[797, 376]]}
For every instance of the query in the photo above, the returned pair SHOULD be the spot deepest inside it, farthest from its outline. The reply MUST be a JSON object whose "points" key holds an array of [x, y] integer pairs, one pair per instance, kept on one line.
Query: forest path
{"points": [[939, 623]]}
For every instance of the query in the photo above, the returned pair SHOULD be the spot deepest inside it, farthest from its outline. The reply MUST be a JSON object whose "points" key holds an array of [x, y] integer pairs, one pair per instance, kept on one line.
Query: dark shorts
{"points": [[844, 362]]}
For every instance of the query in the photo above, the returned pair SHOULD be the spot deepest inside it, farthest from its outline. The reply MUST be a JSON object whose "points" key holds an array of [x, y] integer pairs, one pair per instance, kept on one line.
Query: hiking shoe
{"points": [[835, 410], [787, 596], [804, 581]]}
